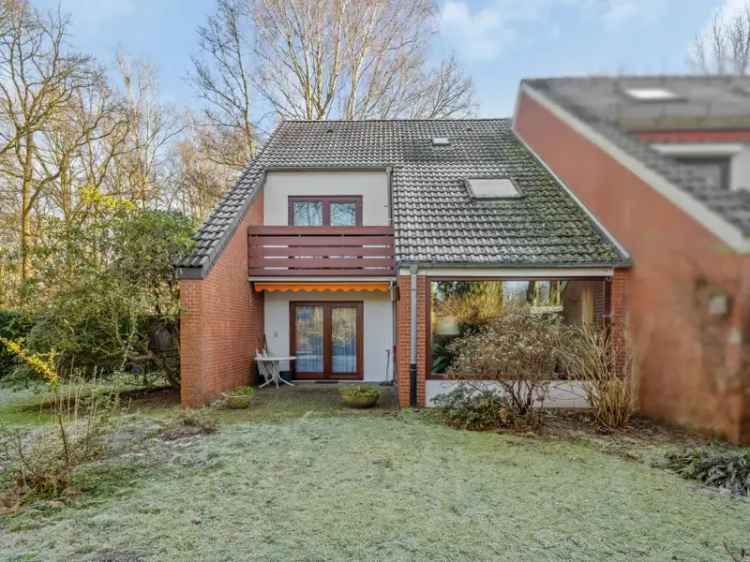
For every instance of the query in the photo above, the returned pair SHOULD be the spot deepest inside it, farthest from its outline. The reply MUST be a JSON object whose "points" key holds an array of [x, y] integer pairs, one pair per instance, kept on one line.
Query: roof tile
{"points": [[435, 219]]}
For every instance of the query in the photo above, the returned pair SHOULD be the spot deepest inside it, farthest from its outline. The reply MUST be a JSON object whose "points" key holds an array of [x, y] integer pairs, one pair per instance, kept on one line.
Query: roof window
{"points": [[492, 188], [440, 141], [651, 94]]}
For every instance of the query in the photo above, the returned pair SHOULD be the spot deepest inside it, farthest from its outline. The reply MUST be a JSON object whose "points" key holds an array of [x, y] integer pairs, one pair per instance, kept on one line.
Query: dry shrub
{"points": [[189, 424], [516, 350], [605, 370], [41, 465]]}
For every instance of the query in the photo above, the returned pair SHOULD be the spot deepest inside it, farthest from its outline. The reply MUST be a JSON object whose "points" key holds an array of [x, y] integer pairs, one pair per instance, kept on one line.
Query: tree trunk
{"points": [[26, 188]]}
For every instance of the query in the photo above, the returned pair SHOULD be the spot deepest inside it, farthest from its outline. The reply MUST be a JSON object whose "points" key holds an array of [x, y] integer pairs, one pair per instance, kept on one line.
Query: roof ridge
{"points": [[400, 120], [696, 77]]}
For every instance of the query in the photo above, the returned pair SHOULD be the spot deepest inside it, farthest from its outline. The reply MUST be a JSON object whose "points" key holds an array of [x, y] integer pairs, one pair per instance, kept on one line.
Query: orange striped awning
{"points": [[356, 286]]}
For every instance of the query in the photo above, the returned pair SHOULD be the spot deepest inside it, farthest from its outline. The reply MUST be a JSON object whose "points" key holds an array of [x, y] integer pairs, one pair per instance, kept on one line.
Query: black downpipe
{"points": [[413, 385]]}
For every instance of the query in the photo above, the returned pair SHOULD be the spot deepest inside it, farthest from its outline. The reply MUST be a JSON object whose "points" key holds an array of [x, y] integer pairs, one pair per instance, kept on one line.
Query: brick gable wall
{"points": [[221, 322], [691, 365]]}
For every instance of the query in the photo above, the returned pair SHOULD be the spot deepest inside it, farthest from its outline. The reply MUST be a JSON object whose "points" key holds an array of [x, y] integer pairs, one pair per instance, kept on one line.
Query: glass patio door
{"points": [[308, 338], [326, 339]]}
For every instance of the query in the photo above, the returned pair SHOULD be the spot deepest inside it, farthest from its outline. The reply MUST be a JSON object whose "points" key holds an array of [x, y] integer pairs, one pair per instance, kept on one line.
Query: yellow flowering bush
{"points": [[43, 365]]}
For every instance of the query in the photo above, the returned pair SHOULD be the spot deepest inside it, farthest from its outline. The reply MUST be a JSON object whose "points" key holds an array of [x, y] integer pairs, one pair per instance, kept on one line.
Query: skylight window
{"points": [[440, 141], [492, 188], [651, 94]]}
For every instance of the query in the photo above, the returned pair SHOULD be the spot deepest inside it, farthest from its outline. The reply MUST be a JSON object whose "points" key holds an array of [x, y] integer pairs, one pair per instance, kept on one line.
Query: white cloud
{"points": [[479, 34], [483, 33]]}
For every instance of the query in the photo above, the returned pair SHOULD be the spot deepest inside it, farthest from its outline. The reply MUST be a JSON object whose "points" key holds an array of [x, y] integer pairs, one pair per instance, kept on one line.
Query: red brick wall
{"points": [[691, 364], [221, 323], [404, 338], [423, 294], [403, 341]]}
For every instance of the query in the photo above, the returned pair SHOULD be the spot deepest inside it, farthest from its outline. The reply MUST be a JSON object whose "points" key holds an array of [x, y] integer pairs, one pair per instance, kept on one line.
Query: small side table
{"points": [[272, 364]]}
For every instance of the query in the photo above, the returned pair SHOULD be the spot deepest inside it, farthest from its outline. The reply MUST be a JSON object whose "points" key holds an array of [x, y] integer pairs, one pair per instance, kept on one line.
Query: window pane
{"points": [[461, 309], [308, 213], [714, 171], [344, 339], [308, 331], [343, 214]]}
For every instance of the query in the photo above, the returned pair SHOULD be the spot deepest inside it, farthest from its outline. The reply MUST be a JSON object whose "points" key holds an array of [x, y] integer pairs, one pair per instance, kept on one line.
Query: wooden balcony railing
{"points": [[321, 251]]}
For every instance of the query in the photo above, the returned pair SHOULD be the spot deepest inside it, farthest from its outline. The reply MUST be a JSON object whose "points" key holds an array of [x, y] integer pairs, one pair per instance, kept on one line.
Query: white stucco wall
{"points": [[377, 326], [560, 394], [740, 170], [371, 185]]}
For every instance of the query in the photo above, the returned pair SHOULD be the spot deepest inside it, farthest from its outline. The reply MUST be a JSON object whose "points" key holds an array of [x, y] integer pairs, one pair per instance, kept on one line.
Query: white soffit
{"points": [[511, 272], [697, 149]]}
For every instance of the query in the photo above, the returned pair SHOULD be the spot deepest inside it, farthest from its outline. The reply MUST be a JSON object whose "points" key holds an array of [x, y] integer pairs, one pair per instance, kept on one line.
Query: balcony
{"points": [[317, 251]]}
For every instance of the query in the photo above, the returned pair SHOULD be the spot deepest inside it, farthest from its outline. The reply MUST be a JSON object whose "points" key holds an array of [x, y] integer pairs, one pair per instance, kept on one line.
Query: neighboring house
{"points": [[664, 163], [350, 245]]}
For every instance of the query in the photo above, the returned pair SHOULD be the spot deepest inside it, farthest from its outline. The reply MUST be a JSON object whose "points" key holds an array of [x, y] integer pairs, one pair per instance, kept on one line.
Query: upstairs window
{"points": [[325, 211], [714, 170]]}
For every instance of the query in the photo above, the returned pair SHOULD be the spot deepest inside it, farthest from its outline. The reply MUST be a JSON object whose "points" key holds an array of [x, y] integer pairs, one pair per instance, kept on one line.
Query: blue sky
{"points": [[497, 42]]}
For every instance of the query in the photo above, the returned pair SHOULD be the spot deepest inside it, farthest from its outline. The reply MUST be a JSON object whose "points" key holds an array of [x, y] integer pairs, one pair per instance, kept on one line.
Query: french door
{"points": [[326, 339]]}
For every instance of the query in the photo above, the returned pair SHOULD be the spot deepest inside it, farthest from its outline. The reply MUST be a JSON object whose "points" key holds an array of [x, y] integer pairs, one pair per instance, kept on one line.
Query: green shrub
{"points": [[481, 409], [728, 471], [112, 298], [359, 395], [14, 325], [242, 391]]}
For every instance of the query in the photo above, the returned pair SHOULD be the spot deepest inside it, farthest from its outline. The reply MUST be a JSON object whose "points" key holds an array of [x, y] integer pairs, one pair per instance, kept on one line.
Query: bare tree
{"points": [[152, 128], [39, 79], [725, 48], [222, 77], [354, 59], [320, 59], [81, 151], [197, 180]]}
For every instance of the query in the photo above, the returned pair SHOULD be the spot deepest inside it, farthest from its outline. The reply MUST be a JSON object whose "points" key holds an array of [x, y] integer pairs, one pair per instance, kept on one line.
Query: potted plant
{"points": [[359, 395], [239, 397]]}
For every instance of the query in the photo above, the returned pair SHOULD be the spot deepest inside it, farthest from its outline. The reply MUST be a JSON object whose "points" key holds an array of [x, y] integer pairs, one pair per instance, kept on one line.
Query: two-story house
{"points": [[350, 245]]}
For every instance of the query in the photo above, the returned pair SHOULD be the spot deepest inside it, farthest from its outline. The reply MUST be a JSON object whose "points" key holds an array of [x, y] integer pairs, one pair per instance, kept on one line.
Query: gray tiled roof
{"points": [[435, 219], [710, 103]]}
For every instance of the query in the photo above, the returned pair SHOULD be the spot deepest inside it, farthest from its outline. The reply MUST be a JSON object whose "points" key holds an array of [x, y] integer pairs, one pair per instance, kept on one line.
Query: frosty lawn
{"points": [[320, 486]]}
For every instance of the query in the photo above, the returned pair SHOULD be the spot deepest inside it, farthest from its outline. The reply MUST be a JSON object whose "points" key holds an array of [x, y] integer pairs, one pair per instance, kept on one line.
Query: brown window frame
{"points": [[328, 373], [326, 205]]}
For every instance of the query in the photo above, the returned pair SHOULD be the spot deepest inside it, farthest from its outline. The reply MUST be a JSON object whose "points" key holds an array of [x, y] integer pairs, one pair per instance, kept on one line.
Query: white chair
{"points": [[264, 368]]}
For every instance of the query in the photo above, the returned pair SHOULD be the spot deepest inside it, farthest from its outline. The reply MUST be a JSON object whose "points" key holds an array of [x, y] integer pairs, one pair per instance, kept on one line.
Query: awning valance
{"points": [[296, 287]]}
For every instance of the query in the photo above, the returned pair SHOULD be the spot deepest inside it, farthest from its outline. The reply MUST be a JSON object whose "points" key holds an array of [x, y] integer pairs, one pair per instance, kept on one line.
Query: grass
{"points": [[298, 478]]}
